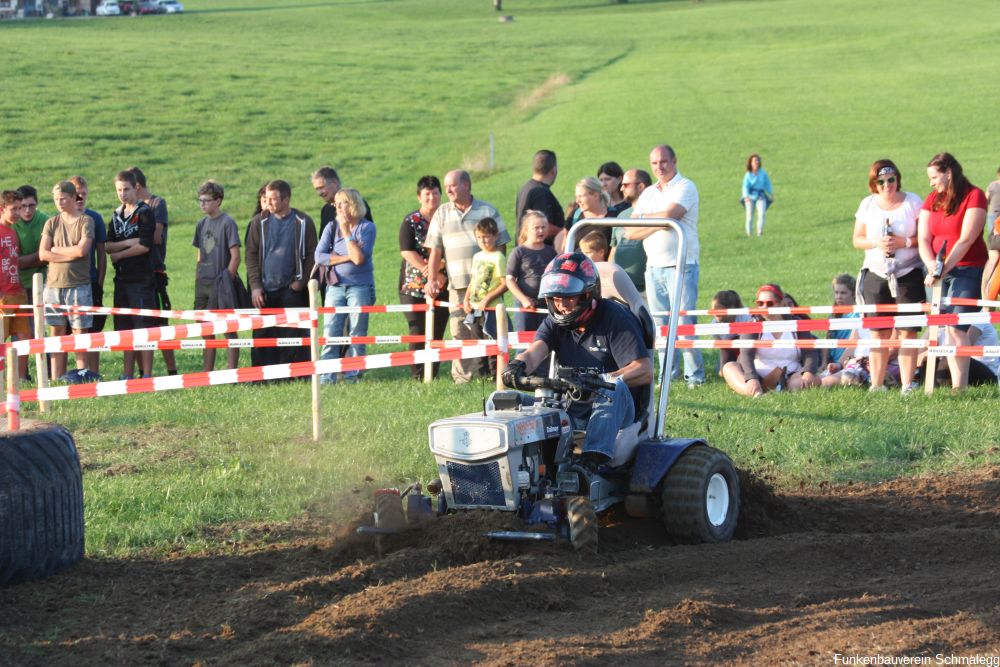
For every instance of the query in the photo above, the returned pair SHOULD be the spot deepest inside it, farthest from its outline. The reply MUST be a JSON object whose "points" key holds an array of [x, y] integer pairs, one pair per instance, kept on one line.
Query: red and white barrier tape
{"points": [[133, 337], [838, 324], [253, 374]]}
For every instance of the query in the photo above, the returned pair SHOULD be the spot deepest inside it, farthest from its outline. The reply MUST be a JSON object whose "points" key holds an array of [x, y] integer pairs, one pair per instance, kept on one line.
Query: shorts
{"points": [[909, 289], [79, 295], [16, 323], [97, 291], [962, 282], [134, 295], [202, 292]]}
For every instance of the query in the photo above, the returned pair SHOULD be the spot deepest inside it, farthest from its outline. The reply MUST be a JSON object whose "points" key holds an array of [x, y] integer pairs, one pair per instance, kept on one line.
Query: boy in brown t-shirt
{"points": [[66, 241]]}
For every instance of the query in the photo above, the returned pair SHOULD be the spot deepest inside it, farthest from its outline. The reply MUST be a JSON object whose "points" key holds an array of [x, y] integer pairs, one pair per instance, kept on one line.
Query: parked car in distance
{"points": [[149, 7], [170, 6], [108, 8]]}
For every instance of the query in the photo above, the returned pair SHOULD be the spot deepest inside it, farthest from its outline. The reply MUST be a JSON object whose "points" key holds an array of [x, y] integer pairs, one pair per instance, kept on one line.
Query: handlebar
{"points": [[577, 385]]}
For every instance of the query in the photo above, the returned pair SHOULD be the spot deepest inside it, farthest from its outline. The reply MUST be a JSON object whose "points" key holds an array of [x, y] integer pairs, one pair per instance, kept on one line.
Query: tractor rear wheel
{"points": [[582, 520], [701, 496], [389, 512]]}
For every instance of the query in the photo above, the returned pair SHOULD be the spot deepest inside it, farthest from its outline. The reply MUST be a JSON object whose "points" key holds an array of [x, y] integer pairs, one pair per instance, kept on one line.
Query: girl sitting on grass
{"points": [[757, 371]]}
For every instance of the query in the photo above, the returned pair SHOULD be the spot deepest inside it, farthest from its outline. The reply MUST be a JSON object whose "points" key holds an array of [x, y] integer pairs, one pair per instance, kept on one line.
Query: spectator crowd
{"points": [[456, 247]]}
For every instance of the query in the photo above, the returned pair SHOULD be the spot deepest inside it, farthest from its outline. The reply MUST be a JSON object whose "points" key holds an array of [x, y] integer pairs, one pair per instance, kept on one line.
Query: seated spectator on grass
{"points": [[525, 267], [856, 368], [415, 267], [982, 370], [843, 295], [727, 300], [217, 270], [757, 371], [66, 241], [346, 250]]}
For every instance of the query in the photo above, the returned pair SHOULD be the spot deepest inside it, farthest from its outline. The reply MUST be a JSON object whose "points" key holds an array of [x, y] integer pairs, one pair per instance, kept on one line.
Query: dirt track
{"points": [[908, 567]]}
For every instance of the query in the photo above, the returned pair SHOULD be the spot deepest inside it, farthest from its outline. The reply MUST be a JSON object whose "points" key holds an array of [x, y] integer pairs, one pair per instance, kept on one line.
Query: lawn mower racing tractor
{"points": [[520, 454]]}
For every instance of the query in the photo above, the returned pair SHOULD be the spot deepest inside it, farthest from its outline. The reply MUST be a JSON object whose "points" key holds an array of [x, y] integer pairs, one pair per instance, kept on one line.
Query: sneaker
{"points": [[70, 378], [124, 376], [877, 389], [909, 390], [87, 376]]}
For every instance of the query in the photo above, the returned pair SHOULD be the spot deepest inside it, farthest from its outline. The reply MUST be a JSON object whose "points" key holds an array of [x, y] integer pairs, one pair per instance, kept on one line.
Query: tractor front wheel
{"points": [[582, 520], [701, 496]]}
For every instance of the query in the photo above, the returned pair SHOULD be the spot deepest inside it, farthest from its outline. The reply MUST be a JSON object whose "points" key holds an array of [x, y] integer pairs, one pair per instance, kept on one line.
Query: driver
{"points": [[586, 331]]}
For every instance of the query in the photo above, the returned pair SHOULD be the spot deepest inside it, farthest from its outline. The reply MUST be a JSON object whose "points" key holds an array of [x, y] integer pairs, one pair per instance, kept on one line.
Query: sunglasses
{"points": [[891, 180], [766, 304]]}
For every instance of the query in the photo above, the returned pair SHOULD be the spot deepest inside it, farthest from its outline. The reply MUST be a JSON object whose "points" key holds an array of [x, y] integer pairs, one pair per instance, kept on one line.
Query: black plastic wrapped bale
{"points": [[41, 503]]}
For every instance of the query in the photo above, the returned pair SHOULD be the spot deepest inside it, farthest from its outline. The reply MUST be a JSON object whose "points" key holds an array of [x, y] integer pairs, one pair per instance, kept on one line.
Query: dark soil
{"points": [[908, 567]]}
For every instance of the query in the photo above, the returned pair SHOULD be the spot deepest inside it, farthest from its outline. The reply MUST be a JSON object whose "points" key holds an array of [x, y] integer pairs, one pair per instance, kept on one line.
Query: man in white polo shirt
{"points": [[672, 196], [452, 236]]}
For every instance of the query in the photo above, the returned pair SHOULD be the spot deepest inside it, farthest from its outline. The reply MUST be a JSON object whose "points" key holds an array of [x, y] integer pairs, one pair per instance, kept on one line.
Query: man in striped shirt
{"points": [[452, 236]]}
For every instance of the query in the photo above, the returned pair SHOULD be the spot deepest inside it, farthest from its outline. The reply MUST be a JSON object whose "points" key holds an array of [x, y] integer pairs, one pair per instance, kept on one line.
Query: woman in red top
{"points": [[954, 213]]}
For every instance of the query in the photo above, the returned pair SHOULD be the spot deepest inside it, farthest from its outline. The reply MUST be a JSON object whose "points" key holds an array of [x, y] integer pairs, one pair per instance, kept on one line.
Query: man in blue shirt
{"points": [[586, 331]]}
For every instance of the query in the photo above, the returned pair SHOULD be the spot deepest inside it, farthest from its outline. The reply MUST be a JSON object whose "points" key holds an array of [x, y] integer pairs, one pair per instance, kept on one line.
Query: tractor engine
{"points": [[500, 457]]}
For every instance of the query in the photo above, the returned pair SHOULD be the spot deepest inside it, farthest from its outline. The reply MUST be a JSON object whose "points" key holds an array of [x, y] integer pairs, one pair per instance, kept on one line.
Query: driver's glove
{"points": [[515, 370]]}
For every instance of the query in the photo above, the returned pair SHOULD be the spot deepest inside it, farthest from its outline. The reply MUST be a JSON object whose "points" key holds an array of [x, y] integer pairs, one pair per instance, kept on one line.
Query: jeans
{"points": [[347, 295], [962, 282], [761, 205], [611, 411], [659, 283]]}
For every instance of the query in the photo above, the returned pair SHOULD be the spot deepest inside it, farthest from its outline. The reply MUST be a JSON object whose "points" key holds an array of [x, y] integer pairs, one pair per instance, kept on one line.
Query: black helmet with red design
{"points": [[571, 274]]}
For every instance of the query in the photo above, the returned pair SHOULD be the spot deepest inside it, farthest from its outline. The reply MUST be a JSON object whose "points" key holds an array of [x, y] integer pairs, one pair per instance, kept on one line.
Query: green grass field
{"points": [[249, 90]]}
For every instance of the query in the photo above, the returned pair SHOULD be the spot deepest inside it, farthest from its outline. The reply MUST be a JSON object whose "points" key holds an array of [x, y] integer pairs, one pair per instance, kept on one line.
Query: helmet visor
{"points": [[560, 284]]}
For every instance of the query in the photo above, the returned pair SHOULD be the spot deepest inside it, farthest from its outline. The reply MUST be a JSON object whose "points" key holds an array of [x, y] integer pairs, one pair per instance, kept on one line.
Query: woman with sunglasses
{"points": [[954, 213], [757, 371], [885, 227]]}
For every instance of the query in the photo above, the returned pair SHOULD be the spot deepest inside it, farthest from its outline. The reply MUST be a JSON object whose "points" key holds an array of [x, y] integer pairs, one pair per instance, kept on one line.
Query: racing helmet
{"points": [[571, 274]]}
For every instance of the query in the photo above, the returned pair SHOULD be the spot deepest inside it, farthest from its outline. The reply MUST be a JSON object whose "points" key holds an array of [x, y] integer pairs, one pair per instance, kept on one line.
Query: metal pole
{"points": [[314, 355], [41, 368], [503, 343]]}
